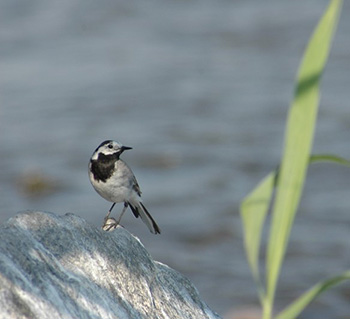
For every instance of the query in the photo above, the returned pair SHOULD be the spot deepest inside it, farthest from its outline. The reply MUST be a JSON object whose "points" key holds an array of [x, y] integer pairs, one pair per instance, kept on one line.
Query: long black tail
{"points": [[140, 210]]}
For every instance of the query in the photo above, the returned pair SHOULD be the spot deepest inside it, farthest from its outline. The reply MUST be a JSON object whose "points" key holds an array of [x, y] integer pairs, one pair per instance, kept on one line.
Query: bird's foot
{"points": [[110, 224]]}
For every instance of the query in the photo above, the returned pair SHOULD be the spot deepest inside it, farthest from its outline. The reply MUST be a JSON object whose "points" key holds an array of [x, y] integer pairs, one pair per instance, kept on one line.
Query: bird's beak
{"points": [[125, 148]]}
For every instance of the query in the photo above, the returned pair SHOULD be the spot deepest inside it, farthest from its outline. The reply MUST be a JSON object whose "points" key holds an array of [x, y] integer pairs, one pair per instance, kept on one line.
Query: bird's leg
{"points": [[122, 213], [110, 223], [109, 212], [107, 225]]}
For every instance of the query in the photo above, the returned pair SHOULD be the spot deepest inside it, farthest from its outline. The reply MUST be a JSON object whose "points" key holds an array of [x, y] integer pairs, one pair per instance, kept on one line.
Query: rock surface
{"points": [[61, 267]]}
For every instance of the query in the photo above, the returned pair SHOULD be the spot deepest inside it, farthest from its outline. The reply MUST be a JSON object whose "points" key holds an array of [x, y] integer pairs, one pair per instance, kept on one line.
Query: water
{"points": [[200, 90]]}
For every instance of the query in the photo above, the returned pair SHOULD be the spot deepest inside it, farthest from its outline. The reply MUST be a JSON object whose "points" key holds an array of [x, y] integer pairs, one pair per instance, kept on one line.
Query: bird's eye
{"points": [[110, 146]]}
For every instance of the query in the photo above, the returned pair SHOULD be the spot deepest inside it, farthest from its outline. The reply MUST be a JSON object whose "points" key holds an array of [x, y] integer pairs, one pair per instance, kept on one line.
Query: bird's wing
{"points": [[136, 186]]}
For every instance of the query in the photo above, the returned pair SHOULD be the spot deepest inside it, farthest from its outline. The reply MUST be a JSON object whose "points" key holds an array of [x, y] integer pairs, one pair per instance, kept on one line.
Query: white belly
{"points": [[112, 192]]}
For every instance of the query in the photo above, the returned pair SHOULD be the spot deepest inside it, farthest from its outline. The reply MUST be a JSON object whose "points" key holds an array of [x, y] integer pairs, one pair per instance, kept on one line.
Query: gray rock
{"points": [[61, 267]]}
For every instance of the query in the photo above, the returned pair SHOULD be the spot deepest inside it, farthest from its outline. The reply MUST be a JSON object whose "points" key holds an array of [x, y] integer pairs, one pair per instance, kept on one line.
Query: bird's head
{"points": [[109, 147]]}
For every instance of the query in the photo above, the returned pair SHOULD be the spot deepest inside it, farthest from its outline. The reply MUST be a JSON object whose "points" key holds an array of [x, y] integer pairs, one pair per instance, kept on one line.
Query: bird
{"points": [[113, 179]]}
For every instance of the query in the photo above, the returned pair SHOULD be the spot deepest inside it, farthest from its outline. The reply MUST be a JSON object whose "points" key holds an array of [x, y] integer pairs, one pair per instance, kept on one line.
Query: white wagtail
{"points": [[115, 182]]}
